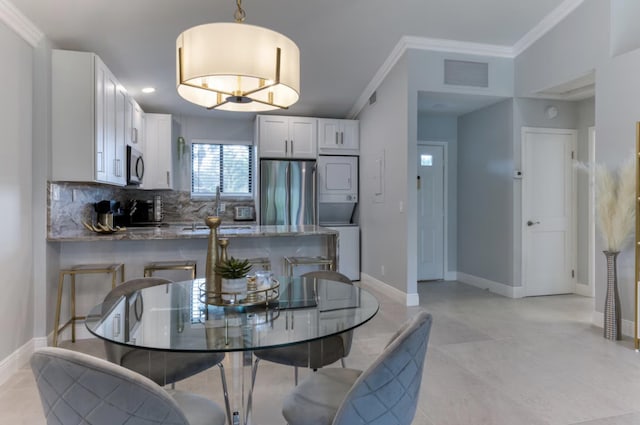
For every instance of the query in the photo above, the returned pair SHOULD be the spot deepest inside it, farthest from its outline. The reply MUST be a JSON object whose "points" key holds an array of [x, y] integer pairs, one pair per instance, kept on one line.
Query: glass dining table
{"points": [[180, 316]]}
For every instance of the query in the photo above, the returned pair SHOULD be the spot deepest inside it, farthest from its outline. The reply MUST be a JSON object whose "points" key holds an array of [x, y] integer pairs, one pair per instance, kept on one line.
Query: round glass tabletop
{"points": [[176, 317]]}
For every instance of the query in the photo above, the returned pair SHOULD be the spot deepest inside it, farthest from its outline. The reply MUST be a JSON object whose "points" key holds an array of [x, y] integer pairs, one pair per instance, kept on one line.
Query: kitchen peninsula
{"points": [[137, 246]]}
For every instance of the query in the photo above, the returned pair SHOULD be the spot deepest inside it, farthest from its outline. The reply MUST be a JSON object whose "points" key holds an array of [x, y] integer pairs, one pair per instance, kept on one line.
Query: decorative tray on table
{"points": [[255, 295]]}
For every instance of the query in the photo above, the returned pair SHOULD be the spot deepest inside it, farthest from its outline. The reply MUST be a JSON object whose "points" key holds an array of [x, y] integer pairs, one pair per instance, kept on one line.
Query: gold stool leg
{"points": [[73, 307], [193, 272], [56, 326]]}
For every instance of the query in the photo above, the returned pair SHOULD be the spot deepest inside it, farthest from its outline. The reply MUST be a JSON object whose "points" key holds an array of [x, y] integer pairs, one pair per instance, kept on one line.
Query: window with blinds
{"points": [[227, 166]]}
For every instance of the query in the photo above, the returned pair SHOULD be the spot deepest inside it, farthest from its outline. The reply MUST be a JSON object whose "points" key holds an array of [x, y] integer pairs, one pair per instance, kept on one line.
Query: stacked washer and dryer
{"points": [[337, 201]]}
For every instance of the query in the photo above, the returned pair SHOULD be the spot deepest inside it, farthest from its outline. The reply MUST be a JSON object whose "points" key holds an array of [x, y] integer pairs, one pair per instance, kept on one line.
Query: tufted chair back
{"points": [[77, 389], [387, 392]]}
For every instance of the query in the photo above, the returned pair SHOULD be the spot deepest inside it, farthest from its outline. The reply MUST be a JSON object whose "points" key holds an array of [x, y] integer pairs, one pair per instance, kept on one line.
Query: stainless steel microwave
{"points": [[135, 166]]}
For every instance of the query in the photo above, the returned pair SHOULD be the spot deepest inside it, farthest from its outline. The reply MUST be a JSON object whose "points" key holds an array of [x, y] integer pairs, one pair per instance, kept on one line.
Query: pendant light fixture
{"points": [[237, 67]]}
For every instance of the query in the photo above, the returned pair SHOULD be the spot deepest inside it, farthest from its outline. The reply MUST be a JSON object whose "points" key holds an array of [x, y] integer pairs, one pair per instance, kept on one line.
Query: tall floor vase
{"points": [[612, 317]]}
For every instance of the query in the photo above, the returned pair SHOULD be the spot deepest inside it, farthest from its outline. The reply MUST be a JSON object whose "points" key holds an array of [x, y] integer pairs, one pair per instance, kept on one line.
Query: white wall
{"points": [[586, 118], [617, 110], [571, 49], [578, 45], [383, 132], [16, 250], [485, 196]]}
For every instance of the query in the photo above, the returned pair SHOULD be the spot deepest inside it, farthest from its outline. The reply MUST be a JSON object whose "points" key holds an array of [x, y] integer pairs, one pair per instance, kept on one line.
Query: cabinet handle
{"points": [[100, 162], [168, 176], [134, 135], [291, 147], [115, 167], [342, 137], [336, 137], [286, 147]]}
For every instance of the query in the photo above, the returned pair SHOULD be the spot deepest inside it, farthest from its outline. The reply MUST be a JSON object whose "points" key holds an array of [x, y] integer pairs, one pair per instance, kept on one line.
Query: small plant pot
{"points": [[237, 286]]}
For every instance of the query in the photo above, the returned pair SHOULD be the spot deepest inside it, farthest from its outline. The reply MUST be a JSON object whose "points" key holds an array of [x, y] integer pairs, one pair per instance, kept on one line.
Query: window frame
{"points": [[223, 195]]}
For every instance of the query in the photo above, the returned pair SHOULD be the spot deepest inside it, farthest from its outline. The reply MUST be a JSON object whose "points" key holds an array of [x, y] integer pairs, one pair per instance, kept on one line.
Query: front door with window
{"points": [[430, 212]]}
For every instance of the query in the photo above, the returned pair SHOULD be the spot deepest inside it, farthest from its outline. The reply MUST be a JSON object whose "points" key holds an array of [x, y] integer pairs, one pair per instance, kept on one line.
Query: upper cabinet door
{"points": [[302, 137], [273, 136], [338, 136], [158, 156], [87, 120], [133, 123], [286, 137]]}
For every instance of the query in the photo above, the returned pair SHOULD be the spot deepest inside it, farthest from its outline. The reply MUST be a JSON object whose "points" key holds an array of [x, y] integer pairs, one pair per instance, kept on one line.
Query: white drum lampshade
{"points": [[237, 67]]}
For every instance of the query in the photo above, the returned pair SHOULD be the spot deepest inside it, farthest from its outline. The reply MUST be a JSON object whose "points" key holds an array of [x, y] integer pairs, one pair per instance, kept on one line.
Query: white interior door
{"points": [[431, 212], [548, 211]]}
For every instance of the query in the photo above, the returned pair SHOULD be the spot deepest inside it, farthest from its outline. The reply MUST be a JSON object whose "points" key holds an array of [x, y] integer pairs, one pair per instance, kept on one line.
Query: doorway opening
{"points": [[432, 192]]}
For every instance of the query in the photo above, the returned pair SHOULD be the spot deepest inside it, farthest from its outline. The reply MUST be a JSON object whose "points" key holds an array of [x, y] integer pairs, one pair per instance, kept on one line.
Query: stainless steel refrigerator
{"points": [[287, 192]]}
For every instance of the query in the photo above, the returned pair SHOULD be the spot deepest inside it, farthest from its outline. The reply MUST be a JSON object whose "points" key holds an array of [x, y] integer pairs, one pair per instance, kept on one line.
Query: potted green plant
{"points": [[233, 272]]}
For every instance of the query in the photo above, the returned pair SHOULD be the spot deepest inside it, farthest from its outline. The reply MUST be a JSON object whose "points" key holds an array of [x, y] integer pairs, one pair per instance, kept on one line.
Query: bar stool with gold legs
{"points": [[187, 265], [111, 269], [291, 262], [260, 263]]}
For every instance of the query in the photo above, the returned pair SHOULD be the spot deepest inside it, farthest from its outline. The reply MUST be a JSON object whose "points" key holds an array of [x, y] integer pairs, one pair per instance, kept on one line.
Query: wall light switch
{"points": [[223, 207]]}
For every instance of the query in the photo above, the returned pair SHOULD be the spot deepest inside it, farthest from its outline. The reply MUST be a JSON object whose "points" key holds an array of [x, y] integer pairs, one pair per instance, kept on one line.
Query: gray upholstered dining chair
{"points": [[313, 355], [162, 367], [77, 388], [385, 393]]}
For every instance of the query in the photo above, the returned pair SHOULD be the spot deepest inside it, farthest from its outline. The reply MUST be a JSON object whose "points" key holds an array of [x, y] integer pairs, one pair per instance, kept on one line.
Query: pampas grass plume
{"points": [[615, 203]]}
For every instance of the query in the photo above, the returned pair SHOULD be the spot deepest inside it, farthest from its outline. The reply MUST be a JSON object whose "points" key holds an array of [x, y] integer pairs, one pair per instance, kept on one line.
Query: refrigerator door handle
{"points": [[287, 199], [315, 195]]}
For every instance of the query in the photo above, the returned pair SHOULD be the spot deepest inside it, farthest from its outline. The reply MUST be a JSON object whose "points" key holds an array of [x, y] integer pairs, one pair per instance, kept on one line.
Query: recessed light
{"points": [[148, 90]]}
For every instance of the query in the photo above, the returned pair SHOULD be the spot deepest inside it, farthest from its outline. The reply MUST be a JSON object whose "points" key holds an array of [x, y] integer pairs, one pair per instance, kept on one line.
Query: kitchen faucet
{"points": [[217, 209]]}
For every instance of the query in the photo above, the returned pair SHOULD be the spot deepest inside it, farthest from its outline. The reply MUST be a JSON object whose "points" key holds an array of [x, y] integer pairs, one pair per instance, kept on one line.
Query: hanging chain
{"points": [[240, 13]]}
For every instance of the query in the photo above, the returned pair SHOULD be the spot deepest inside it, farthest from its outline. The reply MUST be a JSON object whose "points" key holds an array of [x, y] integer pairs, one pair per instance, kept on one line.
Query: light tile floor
{"points": [[491, 360]]}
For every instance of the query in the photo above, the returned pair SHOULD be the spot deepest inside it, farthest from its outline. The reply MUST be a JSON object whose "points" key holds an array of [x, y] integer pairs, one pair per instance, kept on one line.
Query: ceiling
{"points": [[342, 43]]}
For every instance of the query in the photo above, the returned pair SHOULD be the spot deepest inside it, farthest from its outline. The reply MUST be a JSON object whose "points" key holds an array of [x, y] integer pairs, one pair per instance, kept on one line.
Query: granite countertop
{"points": [[185, 231]]}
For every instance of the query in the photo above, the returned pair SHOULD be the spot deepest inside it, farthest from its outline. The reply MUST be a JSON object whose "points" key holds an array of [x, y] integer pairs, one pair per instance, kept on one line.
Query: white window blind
{"points": [[227, 166]]}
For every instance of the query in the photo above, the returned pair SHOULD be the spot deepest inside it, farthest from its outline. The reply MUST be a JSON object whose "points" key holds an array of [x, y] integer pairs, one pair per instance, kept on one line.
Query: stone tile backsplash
{"points": [[69, 204]]}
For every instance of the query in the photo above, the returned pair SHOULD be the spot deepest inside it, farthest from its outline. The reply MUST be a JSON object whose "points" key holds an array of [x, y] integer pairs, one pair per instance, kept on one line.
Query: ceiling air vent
{"points": [[465, 73]]}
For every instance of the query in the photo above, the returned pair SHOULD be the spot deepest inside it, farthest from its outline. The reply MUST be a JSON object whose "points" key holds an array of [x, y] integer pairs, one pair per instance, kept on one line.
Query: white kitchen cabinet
{"points": [[286, 137], [158, 154], [134, 134], [88, 120], [338, 136]]}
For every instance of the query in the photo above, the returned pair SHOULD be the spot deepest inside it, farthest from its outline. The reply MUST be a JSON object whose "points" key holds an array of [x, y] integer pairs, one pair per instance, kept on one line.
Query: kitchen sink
{"points": [[223, 227]]}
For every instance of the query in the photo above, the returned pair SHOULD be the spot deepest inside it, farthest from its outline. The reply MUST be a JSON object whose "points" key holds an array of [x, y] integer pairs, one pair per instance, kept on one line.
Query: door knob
{"points": [[531, 223]]}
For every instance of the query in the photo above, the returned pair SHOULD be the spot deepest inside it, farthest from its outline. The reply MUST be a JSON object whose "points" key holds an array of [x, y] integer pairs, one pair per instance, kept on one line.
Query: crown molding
{"points": [[452, 46], [430, 44], [461, 47], [18, 22], [545, 25]]}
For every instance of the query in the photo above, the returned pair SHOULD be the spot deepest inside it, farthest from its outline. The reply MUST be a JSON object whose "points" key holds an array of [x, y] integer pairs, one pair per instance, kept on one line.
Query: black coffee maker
{"points": [[106, 209]]}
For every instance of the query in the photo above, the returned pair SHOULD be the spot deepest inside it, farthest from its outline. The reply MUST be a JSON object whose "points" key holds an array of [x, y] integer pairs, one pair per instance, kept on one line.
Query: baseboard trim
{"points": [[597, 319], [450, 275], [583, 290], [19, 358], [495, 287], [395, 294]]}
